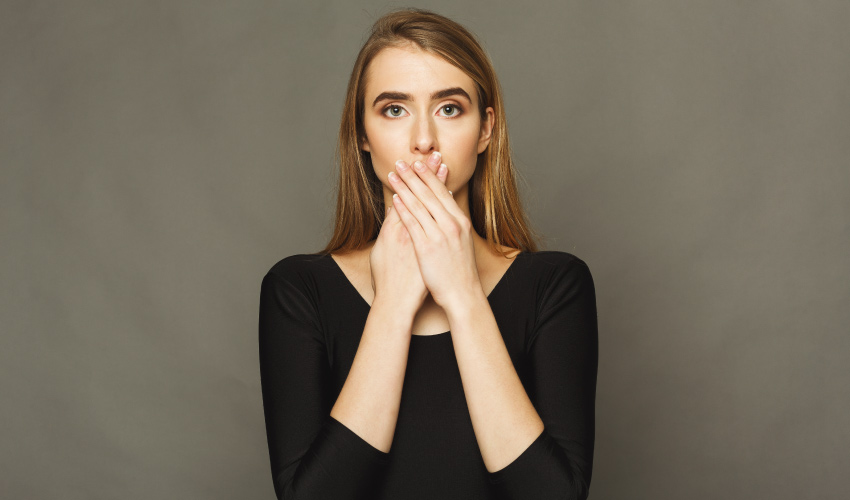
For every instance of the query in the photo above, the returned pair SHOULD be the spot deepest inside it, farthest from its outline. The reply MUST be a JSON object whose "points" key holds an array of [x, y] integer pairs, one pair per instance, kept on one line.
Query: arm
{"points": [[545, 450], [314, 453]]}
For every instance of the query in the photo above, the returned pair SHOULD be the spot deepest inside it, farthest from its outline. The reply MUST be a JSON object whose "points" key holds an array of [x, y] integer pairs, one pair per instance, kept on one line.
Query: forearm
{"points": [[368, 403], [503, 417]]}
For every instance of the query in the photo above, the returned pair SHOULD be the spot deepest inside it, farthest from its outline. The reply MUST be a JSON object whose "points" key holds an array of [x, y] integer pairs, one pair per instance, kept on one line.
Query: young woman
{"points": [[429, 351]]}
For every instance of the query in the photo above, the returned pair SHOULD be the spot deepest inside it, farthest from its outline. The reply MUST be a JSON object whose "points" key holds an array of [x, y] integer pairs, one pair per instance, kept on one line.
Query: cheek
{"points": [[387, 145], [386, 140], [470, 141], [461, 144]]}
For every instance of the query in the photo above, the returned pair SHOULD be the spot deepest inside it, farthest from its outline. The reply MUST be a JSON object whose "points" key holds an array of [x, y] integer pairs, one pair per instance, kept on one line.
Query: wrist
{"points": [[400, 306], [463, 306]]}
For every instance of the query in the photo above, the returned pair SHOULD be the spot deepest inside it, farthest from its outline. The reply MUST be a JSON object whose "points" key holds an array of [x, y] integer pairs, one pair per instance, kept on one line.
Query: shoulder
{"points": [[289, 298], [566, 294], [553, 261], [298, 269], [295, 279], [295, 264], [559, 271]]}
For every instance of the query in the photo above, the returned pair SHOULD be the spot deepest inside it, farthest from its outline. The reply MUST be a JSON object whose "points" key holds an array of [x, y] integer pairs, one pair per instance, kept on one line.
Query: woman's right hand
{"points": [[395, 269]]}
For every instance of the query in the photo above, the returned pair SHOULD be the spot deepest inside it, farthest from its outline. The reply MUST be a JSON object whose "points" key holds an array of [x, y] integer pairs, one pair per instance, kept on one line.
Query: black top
{"points": [[310, 322]]}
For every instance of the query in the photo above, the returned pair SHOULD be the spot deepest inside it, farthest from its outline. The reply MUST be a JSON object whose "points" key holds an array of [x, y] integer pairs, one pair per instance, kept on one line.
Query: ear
{"points": [[486, 130], [364, 145]]}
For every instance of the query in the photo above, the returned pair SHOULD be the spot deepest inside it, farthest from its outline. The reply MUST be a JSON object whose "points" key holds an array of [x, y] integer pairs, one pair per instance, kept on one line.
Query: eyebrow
{"points": [[403, 96]]}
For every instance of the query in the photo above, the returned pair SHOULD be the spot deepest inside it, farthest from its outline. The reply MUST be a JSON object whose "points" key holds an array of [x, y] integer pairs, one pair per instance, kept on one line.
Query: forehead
{"points": [[415, 71]]}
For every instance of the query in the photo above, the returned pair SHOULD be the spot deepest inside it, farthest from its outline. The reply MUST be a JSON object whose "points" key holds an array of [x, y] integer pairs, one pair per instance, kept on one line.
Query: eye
{"points": [[393, 109], [457, 109]]}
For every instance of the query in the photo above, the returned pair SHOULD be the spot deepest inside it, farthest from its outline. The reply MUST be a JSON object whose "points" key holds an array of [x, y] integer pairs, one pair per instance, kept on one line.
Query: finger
{"points": [[435, 164], [441, 193], [442, 173], [434, 159], [414, 228], [402, 181], [392, 216], [418, 188]]}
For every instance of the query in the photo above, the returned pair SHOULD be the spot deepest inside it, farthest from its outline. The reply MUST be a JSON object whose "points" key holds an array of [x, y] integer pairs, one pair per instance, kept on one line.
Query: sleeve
{"points": [[312, 455], [563, 357]]}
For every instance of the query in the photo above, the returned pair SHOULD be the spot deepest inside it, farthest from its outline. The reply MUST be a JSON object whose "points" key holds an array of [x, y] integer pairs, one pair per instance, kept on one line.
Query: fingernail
{"points": [[442, 169], [419, 166], [434, 159], [401, 166]]}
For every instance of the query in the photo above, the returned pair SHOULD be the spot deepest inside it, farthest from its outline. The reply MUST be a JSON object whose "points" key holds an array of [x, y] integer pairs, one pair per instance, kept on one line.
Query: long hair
{"points": [[494, 205]]}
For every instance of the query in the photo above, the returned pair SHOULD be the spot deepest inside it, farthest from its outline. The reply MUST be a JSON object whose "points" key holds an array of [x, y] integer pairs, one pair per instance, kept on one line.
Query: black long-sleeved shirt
{"points": [[311, 320]]}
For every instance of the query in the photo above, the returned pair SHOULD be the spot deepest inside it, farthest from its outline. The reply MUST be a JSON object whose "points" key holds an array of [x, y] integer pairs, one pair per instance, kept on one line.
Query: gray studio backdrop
{"points": [[158, 157]]}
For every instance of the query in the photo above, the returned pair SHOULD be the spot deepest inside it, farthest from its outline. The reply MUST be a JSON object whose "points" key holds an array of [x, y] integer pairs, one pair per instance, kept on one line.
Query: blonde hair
{"points": [[494, 206]]}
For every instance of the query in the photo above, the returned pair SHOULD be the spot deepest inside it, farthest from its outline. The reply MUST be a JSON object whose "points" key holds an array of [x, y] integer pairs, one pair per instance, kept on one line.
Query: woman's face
{"points": [[417, 103]]}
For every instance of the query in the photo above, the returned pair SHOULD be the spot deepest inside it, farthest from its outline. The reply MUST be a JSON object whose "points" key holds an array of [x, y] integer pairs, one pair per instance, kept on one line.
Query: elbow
{"points": [[283, 489], [580, 484], [574, 478], [279, 487], [582, 490]]}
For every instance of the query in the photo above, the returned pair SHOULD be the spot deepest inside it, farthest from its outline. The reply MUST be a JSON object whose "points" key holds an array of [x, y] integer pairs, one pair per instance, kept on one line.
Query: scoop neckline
{"points": [[442, 334]]}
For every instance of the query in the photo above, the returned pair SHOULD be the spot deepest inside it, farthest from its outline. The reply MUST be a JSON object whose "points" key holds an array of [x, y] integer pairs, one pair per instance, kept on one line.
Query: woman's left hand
{"points": [[441, 233]]}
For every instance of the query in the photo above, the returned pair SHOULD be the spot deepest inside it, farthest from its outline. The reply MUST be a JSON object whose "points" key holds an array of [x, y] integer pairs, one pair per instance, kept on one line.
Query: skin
{"points": [[427, 245], [411, 130]]}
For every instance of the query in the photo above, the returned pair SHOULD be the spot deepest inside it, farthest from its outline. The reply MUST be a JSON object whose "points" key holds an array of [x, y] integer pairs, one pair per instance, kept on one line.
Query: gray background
{"points": [[158, 157]]}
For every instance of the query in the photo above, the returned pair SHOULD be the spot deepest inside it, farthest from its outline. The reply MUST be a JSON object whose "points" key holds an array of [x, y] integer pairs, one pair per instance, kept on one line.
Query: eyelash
{"points": [[455, 106]]}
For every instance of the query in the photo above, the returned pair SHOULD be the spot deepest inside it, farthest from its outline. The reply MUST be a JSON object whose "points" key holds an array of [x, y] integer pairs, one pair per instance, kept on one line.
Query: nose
{"points": [[424, 137]]}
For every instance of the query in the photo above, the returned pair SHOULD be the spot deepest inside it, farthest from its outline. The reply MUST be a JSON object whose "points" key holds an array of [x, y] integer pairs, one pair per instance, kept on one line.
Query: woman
{"points": [[429, 351]]}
